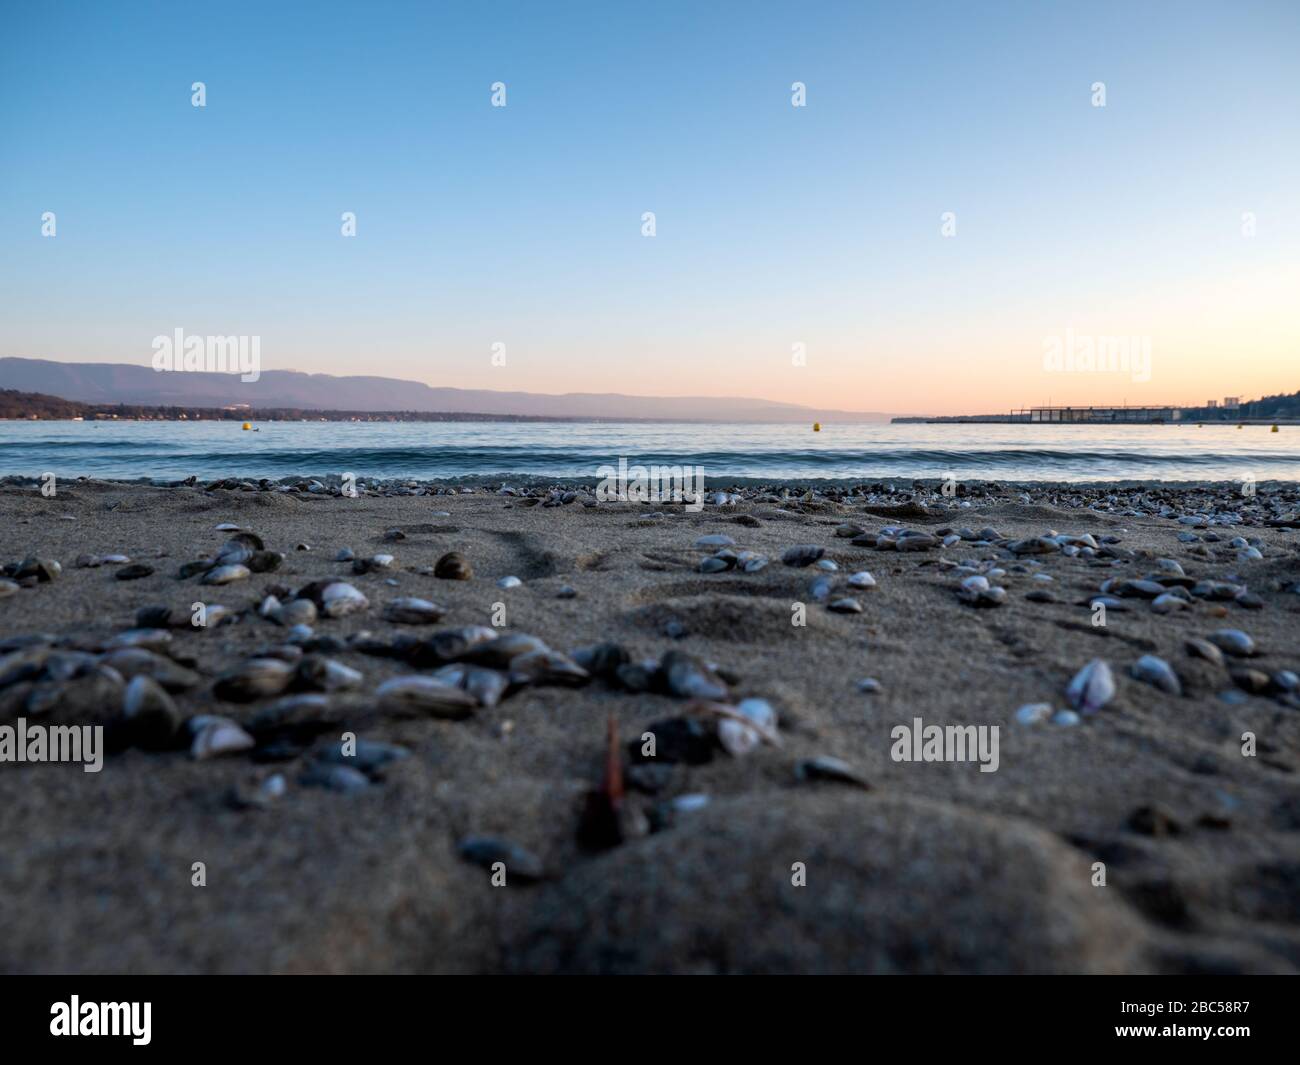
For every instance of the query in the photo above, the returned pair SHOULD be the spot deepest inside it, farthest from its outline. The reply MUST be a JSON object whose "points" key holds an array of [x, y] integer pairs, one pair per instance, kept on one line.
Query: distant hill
{"points": [[112, 383]]}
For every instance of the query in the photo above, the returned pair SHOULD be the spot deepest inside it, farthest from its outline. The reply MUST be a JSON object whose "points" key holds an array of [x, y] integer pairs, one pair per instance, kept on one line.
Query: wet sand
{"points": [[936, 867]]}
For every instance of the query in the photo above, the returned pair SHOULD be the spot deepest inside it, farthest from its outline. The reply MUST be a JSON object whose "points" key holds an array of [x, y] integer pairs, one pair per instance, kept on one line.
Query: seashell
{"points": [[228, 526], [409, 610], [305, 715], [1037, 545], [320, 674], [714, 540], [295, 612], [134, 572], [216, 736], [1033, 713], [828, 565], [345, 554], [829, 769], [914, 540], [547, 667], [453, 567], [342, 778], [1222, 591], [1066, 717], [688, 678], [847, 605], [488, 851], [414, 694], [803, 554], [1255, 681], [149, 638], [820, 589], [191, 569], [714, 565], [151, 717], [265, 561], [1198, 648], [450, 644], [502, 651], [1158, 673], [133, 661], [269, 607], [254, 679], [1167, 603], [862, 579], [1092, 687], [848, 530], [1170, 565], [487, 686], [567, 591], [225, 574], [1233, 642], [374, 562], [738, 738], [509, 582], [7, 588], [750, 561], [42, 569], [976, 591], [340, 599]]}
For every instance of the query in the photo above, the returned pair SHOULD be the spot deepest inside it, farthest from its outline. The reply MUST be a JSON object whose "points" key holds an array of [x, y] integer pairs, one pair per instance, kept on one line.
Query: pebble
{"points": [[870, 685], [862, 579]]}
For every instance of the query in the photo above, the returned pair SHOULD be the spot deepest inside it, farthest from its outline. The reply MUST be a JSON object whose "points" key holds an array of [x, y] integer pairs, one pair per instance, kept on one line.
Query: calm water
{"points": [[174, 450]]}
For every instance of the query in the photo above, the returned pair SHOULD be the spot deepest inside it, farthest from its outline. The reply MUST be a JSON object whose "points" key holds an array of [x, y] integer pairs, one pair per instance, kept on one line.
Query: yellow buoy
{"points": [[1273, 430], [1239, 427], [817, 427], [248, 425]]}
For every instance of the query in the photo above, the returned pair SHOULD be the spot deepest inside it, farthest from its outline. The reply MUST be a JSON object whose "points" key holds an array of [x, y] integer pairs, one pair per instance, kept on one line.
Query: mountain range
{"points": [[124, 383]]}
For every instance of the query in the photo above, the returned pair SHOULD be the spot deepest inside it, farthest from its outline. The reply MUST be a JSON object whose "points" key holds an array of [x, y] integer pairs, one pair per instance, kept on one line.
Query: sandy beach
{"points": [[313, 863]]}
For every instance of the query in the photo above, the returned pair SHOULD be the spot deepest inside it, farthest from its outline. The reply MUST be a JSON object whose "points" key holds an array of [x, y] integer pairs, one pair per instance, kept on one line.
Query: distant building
{"points": [[1232, 402], [1211, 403]]}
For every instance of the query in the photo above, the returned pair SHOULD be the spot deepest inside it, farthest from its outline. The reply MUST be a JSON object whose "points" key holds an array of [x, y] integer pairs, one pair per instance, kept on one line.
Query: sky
{"points": [[799, 253]]}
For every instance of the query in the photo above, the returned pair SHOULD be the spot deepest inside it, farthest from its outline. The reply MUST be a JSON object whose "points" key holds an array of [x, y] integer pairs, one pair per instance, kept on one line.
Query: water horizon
{"points": [[734, 453]]}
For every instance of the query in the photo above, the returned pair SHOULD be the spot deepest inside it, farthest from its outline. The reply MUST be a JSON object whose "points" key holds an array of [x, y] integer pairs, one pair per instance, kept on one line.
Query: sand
{"points": [[938, 867]]}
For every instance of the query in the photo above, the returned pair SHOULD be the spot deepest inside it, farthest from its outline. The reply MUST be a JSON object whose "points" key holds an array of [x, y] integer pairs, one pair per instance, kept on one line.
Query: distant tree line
{"points": [[1280, 407], [35, 406]]}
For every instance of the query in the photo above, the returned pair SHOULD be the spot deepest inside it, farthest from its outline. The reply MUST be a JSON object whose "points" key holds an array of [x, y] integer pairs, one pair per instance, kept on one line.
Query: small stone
{"points": [[489, 852], [1033, 713], [453, 567], [218, 736], [133, 572]]}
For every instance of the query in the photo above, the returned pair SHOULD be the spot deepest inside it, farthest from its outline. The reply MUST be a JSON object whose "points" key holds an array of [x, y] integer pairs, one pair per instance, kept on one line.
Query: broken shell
{"points": [[687, 677]]}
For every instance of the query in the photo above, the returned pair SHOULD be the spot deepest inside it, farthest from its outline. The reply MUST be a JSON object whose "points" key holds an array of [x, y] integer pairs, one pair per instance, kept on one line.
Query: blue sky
{"points": [[775, 225]]}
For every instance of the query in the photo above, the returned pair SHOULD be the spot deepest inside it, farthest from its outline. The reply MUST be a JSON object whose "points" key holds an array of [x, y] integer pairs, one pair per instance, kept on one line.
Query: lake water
{"points": [[728, 453]]}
